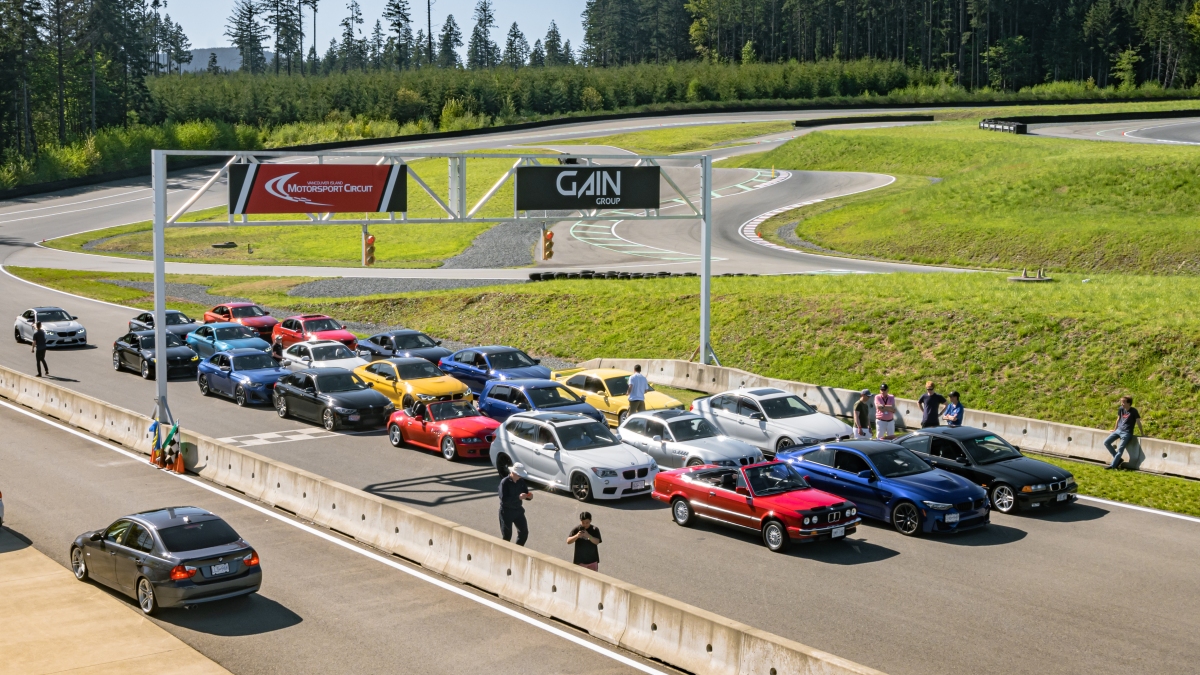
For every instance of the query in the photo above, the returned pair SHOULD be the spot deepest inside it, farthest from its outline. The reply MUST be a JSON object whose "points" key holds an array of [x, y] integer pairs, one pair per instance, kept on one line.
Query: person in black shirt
{"points": [[39, 349], [931, 403], [1127, 418], [513, 491], [585, 536]]}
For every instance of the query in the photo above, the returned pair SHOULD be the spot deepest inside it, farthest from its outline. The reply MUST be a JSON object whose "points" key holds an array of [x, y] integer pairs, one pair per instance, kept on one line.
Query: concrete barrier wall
{"points": [[1064, 440], [622, 614]]}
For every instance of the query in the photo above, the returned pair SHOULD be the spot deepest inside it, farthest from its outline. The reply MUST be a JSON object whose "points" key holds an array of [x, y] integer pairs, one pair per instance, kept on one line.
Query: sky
{"points": [[204, 20]]}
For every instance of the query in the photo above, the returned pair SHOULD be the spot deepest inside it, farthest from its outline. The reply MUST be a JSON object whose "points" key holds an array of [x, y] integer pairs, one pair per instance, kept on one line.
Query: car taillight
{"points": [[251, 560], [181, 572]]}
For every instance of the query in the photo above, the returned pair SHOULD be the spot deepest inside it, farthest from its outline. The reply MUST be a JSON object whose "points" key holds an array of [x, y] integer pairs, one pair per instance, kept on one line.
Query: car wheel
{"points": [[406, 403], [79, 564], [906, 519], [117, 361], [681, 512], [581, 488], [17, 336], [449, 450], [146, 598], [621, 417], [395, 436], [783, 444], [1004, 499], [775, 536], [146, 372], [328, 420], [239, 396], [695, 461], [203, 382], [503, 463], [281, 407]]}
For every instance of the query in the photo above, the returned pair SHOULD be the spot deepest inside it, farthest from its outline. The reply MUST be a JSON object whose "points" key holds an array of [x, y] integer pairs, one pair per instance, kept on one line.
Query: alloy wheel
{"points": [[621, 417], [203, 382], [695, 461], [145, 596], [449, 451], [328, 420], [783, 444], [395, 436], [281, 407], [681, 512], [1004, 499], [774, 536], [239, 396], [78, 564], [906, 519], [581, 488], [116, 361], [17, 335], [145, 370]]}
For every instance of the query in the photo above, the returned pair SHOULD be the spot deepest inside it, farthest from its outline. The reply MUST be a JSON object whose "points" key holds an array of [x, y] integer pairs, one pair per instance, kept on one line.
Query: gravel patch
{"points": [[505, 245], [196, 293], [350, 287], [788, 234]]}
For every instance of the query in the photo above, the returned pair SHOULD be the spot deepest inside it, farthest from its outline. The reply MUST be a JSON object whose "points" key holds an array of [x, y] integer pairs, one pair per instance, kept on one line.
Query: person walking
{"points": [[638, 386], [931, 406], [885, 414], [1127, 417], [862, 416], [513, 491], [585, 537], [953, 412], [39, 349]]}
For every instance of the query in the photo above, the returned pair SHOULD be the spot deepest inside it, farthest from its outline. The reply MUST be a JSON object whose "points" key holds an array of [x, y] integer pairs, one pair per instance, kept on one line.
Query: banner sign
{"points": [[574, 188], [319, 188]]}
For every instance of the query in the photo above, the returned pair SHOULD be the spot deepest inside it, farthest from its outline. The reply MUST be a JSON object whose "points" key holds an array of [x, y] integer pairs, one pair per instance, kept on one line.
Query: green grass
{"points": [[673, 140], [1132, 487], [684, 396], [1004, 201]]}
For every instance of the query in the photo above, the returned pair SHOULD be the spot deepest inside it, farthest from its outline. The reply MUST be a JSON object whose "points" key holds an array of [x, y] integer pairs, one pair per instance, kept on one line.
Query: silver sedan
{"points": [[676, 438]]}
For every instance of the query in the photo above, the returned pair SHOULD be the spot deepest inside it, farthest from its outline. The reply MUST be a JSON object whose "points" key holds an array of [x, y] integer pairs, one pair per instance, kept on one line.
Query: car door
{"points": [[131, 351], [145, 321], [634, 433], [383, 375], [129, 555], [522, 441], [225, 374], [722, 412], [754, 425], [308, 405], [725, 503], [495, 403], [461, 366], [864, 492], [919, 444], [293, 357], [201, 341], [25, 325], [101, 563], [948, 455], [657, 449], [817, 469], [545, 463]]}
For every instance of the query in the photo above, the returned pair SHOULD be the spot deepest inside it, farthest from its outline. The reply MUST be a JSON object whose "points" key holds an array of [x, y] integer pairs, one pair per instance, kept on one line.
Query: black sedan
{"points": [[177, 322], [403, 342], [333, 397], [1013, 481], [136, 351], [173, 557]]}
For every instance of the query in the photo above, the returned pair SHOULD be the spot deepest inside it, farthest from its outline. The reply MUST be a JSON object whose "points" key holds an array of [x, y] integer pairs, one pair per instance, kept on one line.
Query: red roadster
{"points": [[453, 428]]}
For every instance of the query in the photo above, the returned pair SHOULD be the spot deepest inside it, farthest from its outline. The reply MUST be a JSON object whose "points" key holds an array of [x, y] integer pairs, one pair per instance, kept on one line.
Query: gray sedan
{"points": [[172, 557], [676, 438]]}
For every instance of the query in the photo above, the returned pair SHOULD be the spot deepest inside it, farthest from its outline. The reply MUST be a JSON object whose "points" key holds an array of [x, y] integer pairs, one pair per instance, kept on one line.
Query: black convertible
{"points": [[333, 397], [1013, 481], [403, 342]]}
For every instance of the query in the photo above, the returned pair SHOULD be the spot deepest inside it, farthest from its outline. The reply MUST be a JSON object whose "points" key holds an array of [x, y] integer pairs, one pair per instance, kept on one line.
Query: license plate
{"points": [[1062, 497], [639, 485], [839, 532], [951, 517], [354, 418], [223, 568]]}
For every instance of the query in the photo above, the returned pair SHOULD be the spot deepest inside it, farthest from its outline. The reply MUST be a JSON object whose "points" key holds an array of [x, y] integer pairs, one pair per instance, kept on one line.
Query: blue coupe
{"points": [[222, 337], [474, 367], [245, 375], [889, 482], [503, 398]]}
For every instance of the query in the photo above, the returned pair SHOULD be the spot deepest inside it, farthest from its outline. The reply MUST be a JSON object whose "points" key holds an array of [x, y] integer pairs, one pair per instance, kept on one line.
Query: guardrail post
{"points": [[705, 256]]}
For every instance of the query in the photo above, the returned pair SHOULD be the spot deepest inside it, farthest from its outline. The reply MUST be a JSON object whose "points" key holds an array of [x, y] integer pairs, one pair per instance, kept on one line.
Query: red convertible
{"points": [[453, 428], [248, 314], [770, 498]]}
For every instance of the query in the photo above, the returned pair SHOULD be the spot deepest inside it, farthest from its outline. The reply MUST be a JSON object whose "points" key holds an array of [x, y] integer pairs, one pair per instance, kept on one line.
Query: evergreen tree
{"points": [[354, 46], [285, 19], [482, 52], [377, 46], [449, 41], [213, 68], [179, 47], [516, 48], [568, 54], [537, 56], [330, 61], [399, 20], [247, 34], [420, 57], [553, 44]]}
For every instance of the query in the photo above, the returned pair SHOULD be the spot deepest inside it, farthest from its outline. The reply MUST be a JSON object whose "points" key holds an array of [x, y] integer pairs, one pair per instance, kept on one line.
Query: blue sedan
{"points": [[476, 366], [503, 398], [245, 375], [222, 337], [889, 482]]}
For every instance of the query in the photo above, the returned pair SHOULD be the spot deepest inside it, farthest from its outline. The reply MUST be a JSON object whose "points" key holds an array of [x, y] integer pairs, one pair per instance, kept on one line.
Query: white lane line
{"points": [[557, 632], [1143, 509], [749, 229]]}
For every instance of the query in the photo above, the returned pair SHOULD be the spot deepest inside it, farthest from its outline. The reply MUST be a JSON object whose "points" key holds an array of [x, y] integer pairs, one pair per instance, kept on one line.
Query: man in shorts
{"points": [[885, 414], [862, 416]]}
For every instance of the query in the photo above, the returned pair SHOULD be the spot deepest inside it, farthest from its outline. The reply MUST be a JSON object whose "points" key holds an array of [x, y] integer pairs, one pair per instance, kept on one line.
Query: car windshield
{"points": [[177, 319], [254, 362], [332, 383], [898, 462], [53, 315], [317, 325], [692, 430], [513, 359], [450, 410], [552, 397], [988, 449], [774, 479], [247, 312], [419, 371], [414, 341], [196, 536], [331, 352], [148, 341], [234, 333], [784, 407], [586, 436]]}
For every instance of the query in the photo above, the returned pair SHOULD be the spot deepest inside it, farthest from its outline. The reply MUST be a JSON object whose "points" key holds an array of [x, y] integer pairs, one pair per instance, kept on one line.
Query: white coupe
{"points": [[320, 354], [770, 419]]}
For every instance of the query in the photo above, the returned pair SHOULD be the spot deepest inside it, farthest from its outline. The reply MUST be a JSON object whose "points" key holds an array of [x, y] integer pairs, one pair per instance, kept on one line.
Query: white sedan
{"points": [[676, 438], [575, 453], [320, 354], [770, 419], [61, 329]]}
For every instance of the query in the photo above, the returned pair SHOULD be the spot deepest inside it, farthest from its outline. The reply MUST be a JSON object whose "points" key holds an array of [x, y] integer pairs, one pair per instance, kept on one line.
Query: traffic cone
{"points": [[179, 467], [160, 459]]}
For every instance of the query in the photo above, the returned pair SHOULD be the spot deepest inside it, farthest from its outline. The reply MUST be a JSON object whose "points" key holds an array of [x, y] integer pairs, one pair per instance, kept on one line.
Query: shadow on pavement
{"points": [[845, 552], [472, 483], [990, 535], [1075, 513], [11, 540], [236, 617]]}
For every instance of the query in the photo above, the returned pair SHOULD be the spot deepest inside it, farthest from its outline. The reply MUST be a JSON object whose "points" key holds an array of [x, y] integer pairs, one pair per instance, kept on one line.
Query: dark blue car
{"points": [[476, 366], [889, 482], [247, 376], [502, 398], [403, 343]]}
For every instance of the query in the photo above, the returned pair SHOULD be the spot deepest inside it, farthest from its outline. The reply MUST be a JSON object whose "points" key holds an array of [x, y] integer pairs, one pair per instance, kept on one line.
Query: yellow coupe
{"points": [[409, 380], [607, 390]]}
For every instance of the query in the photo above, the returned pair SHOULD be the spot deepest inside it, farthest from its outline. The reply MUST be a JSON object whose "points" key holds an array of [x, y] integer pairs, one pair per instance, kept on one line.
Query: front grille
{"points": [[963, 506], [835, 516], [1061, 485], [629, 474], [69, 333], [980, 503], [744, 461], [643, 472]]}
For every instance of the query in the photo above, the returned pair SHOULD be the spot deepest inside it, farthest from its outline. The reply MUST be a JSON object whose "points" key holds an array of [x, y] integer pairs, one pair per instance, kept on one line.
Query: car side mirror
{"points": [[867, 474], [74, 318], [757, 416], [344, 327], [266, 313], [742, 491], [96, 536], [550, 447], [309, 390], [370, 385], [308, 359], [437, 342], [537, 360], [657, 439], [963, 460]]}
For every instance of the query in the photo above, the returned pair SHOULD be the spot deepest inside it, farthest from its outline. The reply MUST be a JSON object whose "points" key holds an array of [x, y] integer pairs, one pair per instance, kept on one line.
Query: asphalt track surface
{"points": [[1165, 132]]}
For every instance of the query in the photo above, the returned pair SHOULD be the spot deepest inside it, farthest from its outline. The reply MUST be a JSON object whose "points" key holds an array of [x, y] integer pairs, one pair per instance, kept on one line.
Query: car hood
{"points": [[433, 354], [581, 408], [182, 329], [818, 425], [1023, 470], [529, 373], [263, 374], [357, 399], [799, 500], [436, 386], [939, 485], [243, 343], [611, 457], [172, 352], [339, 335], [348, 364], [721, 446], [470, 426], [257, 321], [57, 326]]}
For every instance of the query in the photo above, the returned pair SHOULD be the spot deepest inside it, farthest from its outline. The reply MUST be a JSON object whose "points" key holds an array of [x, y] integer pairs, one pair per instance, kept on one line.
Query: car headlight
{"points": [[809, 440], [469, 439], [389, 407], [852, 512], [938, 506], [345, 411], [807, 520], [50, 333], [1034, 488], [1071, 480], [723, 462], [195, 358], [653, 465], [425, 397], [255, 385], [604, 473]]}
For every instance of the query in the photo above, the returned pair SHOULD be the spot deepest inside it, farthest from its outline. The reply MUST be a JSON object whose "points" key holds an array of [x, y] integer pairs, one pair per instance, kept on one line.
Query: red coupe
{"points": [[453, 428], [248, 314], [310, 327], [770, 498]]}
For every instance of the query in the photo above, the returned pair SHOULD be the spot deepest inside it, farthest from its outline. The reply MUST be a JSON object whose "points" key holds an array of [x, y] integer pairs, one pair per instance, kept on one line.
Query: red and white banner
{"points": [[337, 188]]}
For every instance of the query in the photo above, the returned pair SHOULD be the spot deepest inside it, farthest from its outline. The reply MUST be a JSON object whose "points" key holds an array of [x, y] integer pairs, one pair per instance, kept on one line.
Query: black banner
{"points": [[573, 187]]}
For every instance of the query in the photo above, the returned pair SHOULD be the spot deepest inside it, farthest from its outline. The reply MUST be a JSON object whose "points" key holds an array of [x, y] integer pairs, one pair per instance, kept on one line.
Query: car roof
{"points": [[241, 351], [868, 448], [554, 418], [400, 331], [39, 309], [223, 324], [667, 414], [173, 515], [322, 341], [959, 433], [143, 333], [399, 360], [757, 392], [530, 383], [491, 349], [236, 304], [323, 371], [310, 316]]}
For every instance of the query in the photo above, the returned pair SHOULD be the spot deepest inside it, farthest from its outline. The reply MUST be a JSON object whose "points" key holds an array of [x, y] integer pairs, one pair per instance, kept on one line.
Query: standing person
{"points": [[39, 349], [1127, 417], [638, 386], [585, 536], [513, 491], [885, 414], [953, 412], [931, 405], [862, 416]]}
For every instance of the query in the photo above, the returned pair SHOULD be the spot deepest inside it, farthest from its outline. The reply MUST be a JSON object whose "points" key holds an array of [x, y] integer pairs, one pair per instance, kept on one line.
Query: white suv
{"points": [[770, 419], [575, 453]]}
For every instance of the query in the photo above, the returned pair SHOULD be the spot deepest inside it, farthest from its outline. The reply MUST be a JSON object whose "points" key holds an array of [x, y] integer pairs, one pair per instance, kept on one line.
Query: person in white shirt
{"points": [[638, 386]]}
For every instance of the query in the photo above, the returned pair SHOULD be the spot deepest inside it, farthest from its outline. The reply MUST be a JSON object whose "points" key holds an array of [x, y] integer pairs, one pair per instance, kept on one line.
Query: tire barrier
{"points": [[622, 614], [1005, 126]]}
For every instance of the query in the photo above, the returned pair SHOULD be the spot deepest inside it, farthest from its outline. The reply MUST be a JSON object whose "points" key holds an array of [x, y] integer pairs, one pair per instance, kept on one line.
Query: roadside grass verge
{"points": [[672, 140], [1165, 493], [1004, 201]]}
